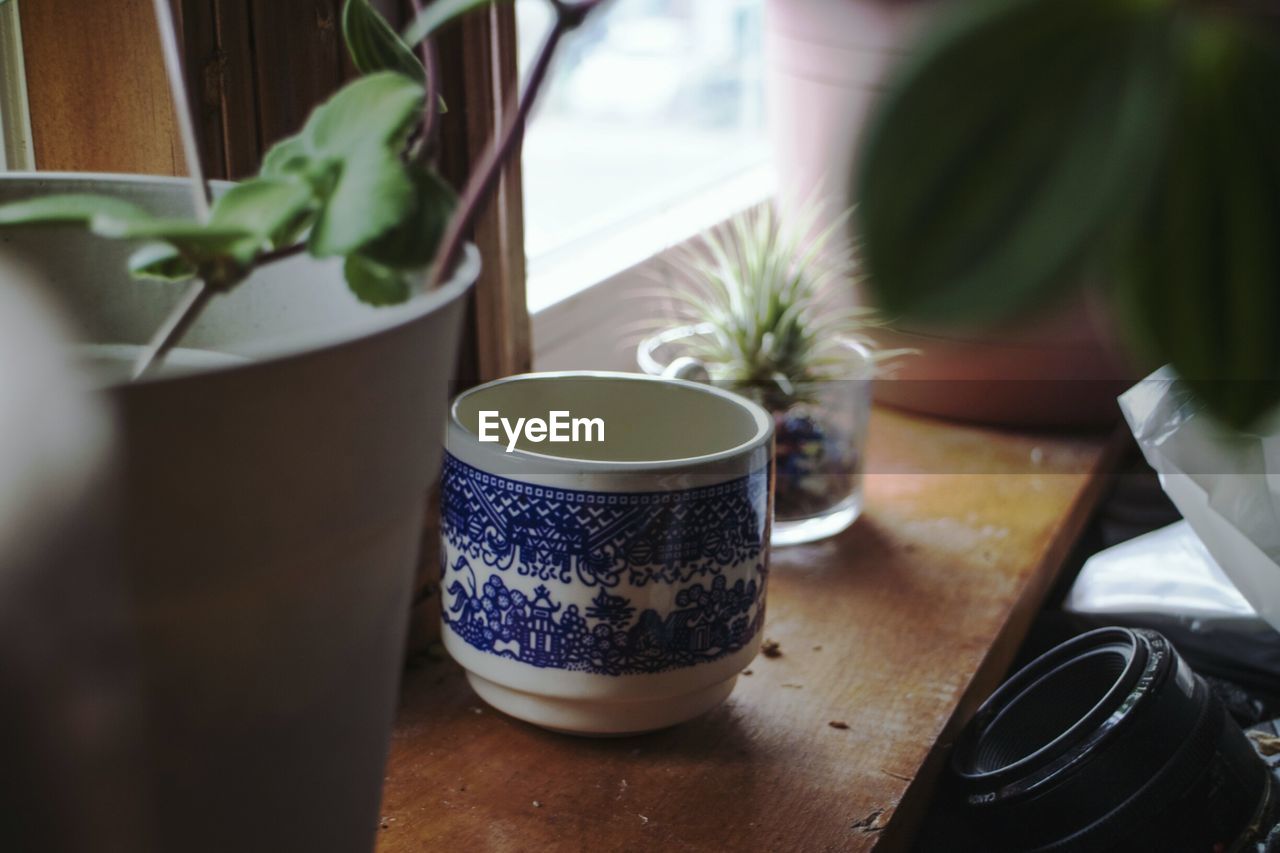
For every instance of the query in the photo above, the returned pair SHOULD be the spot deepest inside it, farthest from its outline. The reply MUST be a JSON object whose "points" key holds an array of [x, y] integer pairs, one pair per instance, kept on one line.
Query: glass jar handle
{"points": [[687, 367]]}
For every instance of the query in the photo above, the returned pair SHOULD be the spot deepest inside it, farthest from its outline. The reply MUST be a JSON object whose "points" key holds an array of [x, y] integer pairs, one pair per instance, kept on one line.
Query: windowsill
{"points": [[558, 276], [590, 306], [907, 677]]}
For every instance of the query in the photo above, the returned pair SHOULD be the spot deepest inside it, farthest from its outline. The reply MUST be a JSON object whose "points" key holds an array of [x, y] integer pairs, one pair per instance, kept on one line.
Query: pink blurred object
{"points": [[826, 62]]}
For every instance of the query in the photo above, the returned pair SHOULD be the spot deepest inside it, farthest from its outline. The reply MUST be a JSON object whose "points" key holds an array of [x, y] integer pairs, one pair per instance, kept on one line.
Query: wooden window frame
{"points": [[478, 61], [15, 116]]}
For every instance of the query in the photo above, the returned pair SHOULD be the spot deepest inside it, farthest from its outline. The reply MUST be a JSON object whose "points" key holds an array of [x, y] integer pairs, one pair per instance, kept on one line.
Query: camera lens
{"points": [[1110, 742]]}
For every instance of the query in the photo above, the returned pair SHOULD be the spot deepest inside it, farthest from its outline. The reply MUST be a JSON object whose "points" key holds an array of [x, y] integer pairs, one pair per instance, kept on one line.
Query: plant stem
{"points": [[485, 177], [431, 106], [279, 254], [174, 327]]}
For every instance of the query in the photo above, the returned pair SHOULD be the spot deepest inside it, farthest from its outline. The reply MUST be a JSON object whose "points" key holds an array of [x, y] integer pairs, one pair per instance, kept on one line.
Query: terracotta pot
{"points": [[826, 62], [271, 512]]}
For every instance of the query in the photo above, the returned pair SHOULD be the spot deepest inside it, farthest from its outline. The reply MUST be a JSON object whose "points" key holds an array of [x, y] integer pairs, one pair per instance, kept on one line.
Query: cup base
{"points": [[597, 717], [805, 530]]}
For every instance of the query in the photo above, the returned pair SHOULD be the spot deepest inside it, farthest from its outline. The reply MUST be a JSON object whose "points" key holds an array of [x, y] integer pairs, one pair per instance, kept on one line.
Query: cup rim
{"points": [[763, 421]]}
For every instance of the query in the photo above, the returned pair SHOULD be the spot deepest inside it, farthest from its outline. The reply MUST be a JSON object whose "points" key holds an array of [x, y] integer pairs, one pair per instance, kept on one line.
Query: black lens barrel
{"points": [[1109, 742]]}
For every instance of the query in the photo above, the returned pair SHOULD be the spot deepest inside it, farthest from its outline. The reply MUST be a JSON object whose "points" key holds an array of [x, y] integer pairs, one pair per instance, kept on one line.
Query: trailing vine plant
{"points": [[356, 182], [1023, 144]]}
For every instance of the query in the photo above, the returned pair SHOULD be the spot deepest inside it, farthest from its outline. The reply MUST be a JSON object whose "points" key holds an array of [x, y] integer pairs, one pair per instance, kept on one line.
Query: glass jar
{"points": [[821, 434]]}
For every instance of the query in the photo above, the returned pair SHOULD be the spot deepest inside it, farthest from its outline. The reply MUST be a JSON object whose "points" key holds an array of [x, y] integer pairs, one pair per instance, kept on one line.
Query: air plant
{"points": [[763, 305], [763, 297]]}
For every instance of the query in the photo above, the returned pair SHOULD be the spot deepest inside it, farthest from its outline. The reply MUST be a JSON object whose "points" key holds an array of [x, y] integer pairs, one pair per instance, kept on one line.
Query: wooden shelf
{"points": [[898, 628]]}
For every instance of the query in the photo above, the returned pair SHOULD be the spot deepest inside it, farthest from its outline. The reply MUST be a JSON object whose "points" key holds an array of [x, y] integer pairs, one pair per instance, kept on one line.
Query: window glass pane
{"points": [[652, 101]]}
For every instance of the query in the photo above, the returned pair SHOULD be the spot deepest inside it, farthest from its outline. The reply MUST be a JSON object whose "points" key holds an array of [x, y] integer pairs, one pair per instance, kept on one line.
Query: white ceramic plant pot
{"points": [[607, 587], [270, 522]]}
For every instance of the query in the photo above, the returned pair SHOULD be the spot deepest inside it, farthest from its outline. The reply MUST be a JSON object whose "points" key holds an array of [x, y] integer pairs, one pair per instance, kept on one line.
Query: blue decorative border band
{"points": [[609, 638], [599, 538]]}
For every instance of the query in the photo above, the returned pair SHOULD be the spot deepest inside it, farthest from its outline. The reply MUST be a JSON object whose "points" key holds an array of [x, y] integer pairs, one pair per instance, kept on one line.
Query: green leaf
{"points": [[260, 205], [378, 109], [374, 45], [272, 209], [413, 242], [349, 152], [373, 193], [220, 254], [374, 111], [160, 261], [1202, 278], [69, 209], [437, 15], [1008, 146], [179, 246], [375, 284], [287, 157], [192, 238]]}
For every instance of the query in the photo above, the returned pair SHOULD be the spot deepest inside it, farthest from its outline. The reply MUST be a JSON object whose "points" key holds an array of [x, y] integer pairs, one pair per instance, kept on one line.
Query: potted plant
{"points": [[279, 426], [827, 61], [1139, 139], [756, 308], [1023, 141]]}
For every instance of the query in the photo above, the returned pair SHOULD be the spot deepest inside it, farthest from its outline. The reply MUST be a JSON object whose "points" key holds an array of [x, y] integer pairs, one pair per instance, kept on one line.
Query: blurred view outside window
{"points": [[652, 102]]}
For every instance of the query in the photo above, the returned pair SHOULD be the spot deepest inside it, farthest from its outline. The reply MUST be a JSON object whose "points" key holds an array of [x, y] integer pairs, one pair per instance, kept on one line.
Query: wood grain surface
{"points": [[222, 69], [480, 78], [97, 89], [298, 49], [896, 629]]}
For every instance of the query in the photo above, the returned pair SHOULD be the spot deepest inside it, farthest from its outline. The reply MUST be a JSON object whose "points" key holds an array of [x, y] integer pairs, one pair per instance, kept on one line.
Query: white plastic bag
{"points": [[1166, 572], [1168, 581], [1225, 483]]}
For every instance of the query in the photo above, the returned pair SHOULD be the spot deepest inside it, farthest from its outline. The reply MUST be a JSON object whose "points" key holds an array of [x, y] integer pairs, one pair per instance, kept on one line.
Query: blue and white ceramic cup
{"points": [[613, 582]]}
